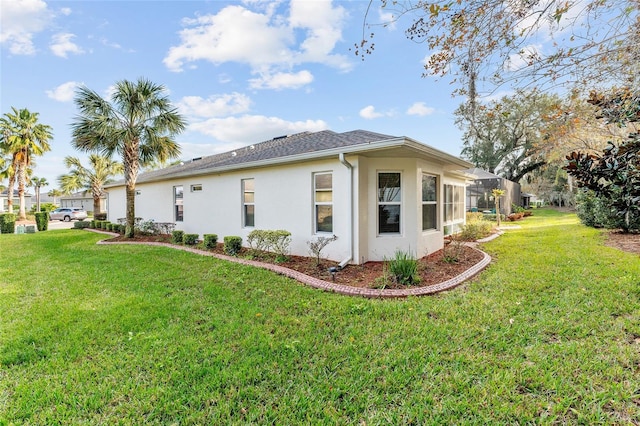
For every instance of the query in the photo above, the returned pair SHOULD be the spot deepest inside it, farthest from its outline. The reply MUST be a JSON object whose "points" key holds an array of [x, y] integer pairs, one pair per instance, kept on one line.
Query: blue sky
{"points": [[240, 72]]}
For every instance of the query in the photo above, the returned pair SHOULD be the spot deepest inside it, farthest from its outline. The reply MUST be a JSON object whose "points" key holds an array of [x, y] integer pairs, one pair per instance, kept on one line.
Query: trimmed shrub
{"points": [[42, 221], [7, 223], [100, 216], [105, 223], [92, 224], [232, 245], [210, 240], [81, 224], [190, 239], [177, 237]]}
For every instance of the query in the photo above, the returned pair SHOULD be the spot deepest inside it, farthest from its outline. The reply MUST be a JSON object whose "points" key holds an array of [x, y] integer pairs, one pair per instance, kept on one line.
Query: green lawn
{"points": [[94, 334]]}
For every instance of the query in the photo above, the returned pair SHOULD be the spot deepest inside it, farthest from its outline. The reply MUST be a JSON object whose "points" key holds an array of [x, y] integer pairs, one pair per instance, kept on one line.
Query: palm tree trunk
{"points": [[96, 204], [131, 210], [10, 186], [22, 178]]}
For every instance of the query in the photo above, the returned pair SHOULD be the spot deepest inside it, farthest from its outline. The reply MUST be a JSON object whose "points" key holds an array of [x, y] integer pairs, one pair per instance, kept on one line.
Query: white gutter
{"points": [[351, 221]]}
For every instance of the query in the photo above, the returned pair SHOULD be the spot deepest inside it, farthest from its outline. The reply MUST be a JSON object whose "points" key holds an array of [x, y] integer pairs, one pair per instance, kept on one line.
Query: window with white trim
{"points": [[178, 203], [429, 202], [454, 212], [248, 203], [323, 202], [389, 202], [196, 187]]}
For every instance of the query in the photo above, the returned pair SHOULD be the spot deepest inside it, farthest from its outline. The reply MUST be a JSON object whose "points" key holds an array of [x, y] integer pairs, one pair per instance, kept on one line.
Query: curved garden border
{"points": [[329, 286]]}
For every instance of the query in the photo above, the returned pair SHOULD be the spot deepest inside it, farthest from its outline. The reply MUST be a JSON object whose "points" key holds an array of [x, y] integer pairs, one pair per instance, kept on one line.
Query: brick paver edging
{"points": [[326, 285]]}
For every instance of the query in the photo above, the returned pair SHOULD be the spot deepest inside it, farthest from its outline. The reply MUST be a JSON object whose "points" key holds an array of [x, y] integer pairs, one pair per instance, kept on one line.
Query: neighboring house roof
{"points": [[15, 193], [297, 147], [482, 174], [79, 195]]}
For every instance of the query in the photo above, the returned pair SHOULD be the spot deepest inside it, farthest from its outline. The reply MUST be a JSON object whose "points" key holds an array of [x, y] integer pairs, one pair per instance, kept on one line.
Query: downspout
{"points": [[351, 221]]}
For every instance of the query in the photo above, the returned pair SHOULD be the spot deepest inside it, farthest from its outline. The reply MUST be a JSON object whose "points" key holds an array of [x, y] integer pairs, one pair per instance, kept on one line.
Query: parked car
{"points": [[67, 214]]}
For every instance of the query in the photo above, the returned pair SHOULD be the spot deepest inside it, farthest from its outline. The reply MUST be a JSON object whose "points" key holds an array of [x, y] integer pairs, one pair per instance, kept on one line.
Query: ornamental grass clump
{"points": [[403, 268]]}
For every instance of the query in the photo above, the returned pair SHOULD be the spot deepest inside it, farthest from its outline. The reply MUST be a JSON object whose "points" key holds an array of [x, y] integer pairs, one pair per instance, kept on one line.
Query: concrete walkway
{"points": [[326, 285]]}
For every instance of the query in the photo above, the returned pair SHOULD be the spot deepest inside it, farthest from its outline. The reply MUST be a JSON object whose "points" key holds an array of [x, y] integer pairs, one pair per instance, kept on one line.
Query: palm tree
{"points": [[93, 178], [37, 183], [55, 193], [23, 137], [138, 124], [8, 168]]}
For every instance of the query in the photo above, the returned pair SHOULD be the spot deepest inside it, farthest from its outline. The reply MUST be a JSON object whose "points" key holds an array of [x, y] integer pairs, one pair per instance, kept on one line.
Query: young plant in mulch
{"points": [[403, 268], [316, 247], [453, 250]]}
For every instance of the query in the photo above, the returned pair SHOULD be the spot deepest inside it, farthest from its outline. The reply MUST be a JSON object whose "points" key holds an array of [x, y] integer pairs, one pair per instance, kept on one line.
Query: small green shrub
{"points": [[7, 223], [81, 224], [210, 240], [263, 241], [100, 216], [190, 239], [42, 220], [403, 268], [105, 225], [232, 245], [475, 216], [92, 224], [147, 227], [453, 250], [177, 236], [476, 230]]}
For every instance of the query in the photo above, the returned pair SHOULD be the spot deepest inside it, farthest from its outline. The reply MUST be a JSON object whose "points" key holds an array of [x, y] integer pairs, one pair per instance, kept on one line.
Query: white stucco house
{"points": [[377, 193], [84, 200]]}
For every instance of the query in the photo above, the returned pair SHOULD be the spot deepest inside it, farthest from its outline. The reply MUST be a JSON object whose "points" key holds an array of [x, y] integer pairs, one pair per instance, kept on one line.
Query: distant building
{"points": [[84, 200], [480, 198], [4, 200]]}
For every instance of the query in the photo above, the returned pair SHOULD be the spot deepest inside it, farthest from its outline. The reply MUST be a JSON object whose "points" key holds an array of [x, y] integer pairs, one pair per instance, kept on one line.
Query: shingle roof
{"points": [[280, 147], [283, 149]]}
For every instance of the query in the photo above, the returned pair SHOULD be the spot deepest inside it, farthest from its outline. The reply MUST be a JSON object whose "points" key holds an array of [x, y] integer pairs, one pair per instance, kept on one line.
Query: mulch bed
{"points": [[433, 269]]}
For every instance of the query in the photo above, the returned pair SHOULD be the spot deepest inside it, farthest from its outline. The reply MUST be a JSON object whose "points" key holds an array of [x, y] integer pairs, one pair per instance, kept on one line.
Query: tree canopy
{"points": [[90, 178], [526, 43], [139, 125], [22, 137], [614, 174], [511, 136]]}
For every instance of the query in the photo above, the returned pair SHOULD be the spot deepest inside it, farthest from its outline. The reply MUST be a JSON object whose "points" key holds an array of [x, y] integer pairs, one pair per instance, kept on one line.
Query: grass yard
{"points": [[95, 334]]}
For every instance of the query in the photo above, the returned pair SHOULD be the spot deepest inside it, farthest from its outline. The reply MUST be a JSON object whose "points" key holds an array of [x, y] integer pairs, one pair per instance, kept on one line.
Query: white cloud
{"points": [[215, 105], [61, 45], [65, 11], [282, 80], [387, 19], [369, 112], [234, 34], [421, 109], [265, 41], [64, 92], [20, 21], [253, 128], [323, 23]]}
